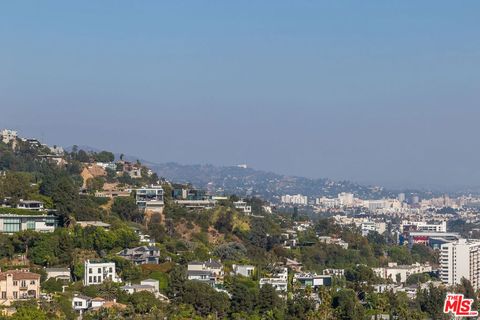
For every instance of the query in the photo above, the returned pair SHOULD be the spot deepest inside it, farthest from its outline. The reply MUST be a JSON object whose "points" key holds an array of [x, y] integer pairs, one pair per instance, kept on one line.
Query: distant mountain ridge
{"points": [[268, 185]]}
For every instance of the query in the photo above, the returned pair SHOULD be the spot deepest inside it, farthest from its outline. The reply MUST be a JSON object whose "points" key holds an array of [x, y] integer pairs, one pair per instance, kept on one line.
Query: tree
{"points": [[126, 208], [28, 313], [205, 300], [15, 186], [95, 184], [144, 302], [177, 280], [268, 299], [347, 305], [52, 285], [104, 156], [431, 301], [243, 298]]}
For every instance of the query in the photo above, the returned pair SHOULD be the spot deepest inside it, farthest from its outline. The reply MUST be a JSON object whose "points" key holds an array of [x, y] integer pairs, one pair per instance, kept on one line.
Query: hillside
{"points": [[268, 185]]}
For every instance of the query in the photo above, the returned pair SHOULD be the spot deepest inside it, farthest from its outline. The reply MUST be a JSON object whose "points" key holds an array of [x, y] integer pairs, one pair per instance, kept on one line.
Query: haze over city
{"points": [[375, 92]]}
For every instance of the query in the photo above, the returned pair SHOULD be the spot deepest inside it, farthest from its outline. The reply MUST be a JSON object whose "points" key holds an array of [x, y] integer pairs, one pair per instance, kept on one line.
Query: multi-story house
{"points": [[312, 280], [150, 198], [141, 255], [18, 285], [242, 205], [98, 271], [243, 270], [279, 281], [210, 271]]}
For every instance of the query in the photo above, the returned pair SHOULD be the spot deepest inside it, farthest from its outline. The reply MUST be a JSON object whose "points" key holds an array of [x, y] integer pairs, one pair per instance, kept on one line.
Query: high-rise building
{"points": [[401, 197], [460, 259]]}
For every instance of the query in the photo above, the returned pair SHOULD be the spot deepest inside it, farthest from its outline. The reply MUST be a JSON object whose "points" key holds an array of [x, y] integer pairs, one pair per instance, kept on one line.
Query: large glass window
{"points": [[30, 225], [11, 225]]}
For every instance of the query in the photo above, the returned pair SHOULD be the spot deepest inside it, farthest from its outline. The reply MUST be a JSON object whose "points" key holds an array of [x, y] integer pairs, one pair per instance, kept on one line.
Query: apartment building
{"points": [[98, 271], [295, 199], [368, 226], [400, 273], [18, 285], [460, 259], [424, 226]]}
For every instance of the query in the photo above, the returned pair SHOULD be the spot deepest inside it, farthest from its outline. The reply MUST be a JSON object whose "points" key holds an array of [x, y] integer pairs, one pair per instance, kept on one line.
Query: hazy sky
{"points": [[382, 92]]}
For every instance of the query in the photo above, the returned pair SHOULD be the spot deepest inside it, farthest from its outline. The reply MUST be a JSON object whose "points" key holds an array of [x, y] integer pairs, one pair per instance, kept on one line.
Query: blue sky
{"points": [[383, 92]]}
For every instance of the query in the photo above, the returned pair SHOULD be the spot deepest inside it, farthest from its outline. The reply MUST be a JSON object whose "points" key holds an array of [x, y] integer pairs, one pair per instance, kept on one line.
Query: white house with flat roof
{"points": [[98, 271], [150, 198]]}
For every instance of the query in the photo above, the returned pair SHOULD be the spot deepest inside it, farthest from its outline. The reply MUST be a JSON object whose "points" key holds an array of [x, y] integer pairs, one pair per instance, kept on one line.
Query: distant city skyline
{"points": [[373, 92]]}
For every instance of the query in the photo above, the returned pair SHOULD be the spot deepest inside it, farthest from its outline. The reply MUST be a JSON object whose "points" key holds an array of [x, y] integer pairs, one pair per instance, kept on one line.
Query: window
{"points": [[11, 225], [15, 283], [4, 295], [111, 270], [30, 225], [90, 279], [24, 283], [32, 282], [15, 295], [90, 270], [99, 270]]}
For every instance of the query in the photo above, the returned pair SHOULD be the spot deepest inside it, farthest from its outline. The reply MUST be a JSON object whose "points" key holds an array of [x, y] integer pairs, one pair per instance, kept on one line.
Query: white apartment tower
{"points": [[459, 260]]}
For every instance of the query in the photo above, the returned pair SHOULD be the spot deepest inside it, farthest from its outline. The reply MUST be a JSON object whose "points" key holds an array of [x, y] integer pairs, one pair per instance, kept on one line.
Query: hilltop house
{"points": [[210, 271], [11, 222], [98, 271], [18, 285], [58, 273], [141, 255], [279, 281]]}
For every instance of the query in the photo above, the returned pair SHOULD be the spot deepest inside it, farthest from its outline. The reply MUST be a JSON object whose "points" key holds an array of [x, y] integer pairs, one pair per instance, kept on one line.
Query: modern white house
{"points": [[58, 273], [279, 281], [81, 303], [243, 206], [15, 222], [98, 271], [312, 280], [30, 205], [150, 198], [243, 270]]}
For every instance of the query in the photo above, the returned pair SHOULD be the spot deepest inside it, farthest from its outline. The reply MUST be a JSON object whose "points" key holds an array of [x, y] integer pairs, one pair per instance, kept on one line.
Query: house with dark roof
{"points": [[210, 271], [141, 255]]}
